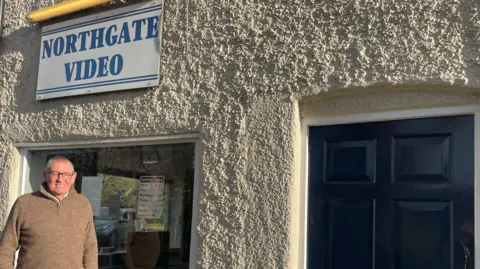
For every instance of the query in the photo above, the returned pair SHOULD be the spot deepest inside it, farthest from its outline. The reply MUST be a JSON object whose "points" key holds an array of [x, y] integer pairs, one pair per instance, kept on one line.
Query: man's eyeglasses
{"points": [[65, 175]]}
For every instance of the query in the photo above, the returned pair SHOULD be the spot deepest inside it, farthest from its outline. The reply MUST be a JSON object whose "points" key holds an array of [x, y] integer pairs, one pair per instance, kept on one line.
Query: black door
{"points": [[392, 195]]}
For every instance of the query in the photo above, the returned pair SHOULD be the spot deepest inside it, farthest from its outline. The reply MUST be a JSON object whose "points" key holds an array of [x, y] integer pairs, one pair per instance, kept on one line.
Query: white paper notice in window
{"points": [[151, 197]]}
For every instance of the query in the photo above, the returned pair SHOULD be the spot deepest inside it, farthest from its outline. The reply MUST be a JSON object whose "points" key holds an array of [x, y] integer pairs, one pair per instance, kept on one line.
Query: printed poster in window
{"points": [[152, 201]]}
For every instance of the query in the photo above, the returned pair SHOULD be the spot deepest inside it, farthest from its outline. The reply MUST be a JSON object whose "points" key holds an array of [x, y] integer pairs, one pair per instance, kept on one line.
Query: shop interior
{"points": [[141, 198]]}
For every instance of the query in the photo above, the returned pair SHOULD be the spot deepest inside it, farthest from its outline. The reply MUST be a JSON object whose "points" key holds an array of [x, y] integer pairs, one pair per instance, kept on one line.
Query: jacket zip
{"points": [[56, 200], [53, 198]]}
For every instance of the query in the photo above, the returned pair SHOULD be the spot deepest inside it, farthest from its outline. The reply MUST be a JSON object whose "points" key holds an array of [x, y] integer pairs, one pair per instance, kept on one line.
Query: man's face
{"points": [[60, 178]]}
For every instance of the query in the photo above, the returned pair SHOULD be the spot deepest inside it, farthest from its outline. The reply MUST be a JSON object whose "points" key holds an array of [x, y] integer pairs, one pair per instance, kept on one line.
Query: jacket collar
{"points": [[44, 191]]}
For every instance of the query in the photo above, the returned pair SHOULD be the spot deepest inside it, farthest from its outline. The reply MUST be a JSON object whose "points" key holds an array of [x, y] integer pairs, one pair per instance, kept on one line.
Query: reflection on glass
{"points": [[141, 199]]}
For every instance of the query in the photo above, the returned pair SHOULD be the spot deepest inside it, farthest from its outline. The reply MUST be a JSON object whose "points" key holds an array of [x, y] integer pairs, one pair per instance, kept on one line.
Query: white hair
{"points": [[57, 159]]}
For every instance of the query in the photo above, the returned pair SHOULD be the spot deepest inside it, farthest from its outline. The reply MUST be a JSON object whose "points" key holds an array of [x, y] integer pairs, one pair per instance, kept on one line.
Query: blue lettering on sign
{"points": [[152, 29], [138, 29], [58, 46], [101, 37], [101, 67], [107, 36], [71, 39], [97, 38], [83, 40], [116, 64], [111, 39], [89, 69]]}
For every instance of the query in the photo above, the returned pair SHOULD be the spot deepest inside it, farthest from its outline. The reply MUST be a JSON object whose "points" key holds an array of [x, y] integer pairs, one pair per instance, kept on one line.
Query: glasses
{"points": [[65, 175]]}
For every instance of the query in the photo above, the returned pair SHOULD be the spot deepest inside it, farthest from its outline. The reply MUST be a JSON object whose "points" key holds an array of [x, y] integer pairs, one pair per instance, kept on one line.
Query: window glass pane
{"points": [[138, 193]]}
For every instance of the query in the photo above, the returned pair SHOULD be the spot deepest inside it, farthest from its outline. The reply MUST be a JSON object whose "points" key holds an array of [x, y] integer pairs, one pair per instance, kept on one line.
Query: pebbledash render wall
{"points": [[243, 74]]}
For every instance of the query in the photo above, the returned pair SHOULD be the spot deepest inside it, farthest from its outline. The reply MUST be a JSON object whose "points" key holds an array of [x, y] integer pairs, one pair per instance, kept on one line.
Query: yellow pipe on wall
{"points": [[63, 8]]}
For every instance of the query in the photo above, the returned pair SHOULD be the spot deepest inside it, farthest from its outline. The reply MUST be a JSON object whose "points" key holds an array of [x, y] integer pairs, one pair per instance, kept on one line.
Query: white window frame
{"points": [[385, 116], [1, 17], [24, 148]]}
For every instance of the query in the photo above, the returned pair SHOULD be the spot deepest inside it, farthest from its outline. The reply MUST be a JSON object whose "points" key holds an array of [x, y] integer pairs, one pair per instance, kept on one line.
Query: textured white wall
{"points": [[233, 71]]}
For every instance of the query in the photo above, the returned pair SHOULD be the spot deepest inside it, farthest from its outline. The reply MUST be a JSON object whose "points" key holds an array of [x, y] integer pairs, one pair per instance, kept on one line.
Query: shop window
{"points": [[139, 193]]}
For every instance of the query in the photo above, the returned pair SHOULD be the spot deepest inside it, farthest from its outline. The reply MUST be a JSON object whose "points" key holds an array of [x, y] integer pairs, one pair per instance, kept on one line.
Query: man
{"points": [[53, 227]]}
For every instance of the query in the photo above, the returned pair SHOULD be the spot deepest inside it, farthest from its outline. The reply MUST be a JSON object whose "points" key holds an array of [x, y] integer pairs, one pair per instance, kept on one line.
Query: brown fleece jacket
{"points": [[50, 233]]}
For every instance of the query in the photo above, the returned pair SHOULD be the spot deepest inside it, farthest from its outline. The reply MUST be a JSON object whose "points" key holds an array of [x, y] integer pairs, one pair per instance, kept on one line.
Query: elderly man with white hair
{"points": [[52, 227]]}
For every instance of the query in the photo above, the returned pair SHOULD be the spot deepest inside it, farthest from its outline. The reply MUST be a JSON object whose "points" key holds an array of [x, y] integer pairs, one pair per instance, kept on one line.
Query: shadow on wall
{"points": [[20, 51]]}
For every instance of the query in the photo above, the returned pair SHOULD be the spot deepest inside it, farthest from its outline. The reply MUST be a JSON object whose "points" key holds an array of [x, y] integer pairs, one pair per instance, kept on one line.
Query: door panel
{"points": [[416, 242], [342, 216], [395, 194], [358, 156], [422, 159]]}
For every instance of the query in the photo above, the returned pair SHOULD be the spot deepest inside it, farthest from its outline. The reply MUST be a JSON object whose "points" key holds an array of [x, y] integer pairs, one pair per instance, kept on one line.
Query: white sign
{"points": [[92, 189], [110, 51], [151, 197]]}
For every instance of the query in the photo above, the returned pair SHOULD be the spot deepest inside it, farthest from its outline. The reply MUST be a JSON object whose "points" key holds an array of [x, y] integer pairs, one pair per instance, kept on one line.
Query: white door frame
{"points": [[24, 148], [385, 116]]}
